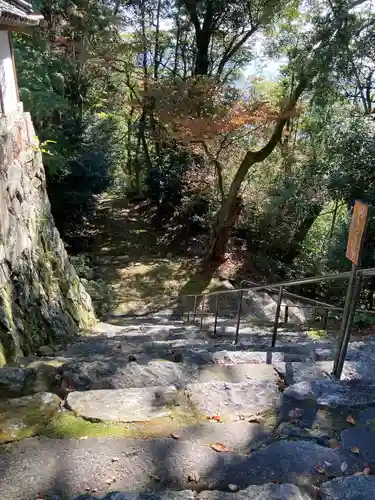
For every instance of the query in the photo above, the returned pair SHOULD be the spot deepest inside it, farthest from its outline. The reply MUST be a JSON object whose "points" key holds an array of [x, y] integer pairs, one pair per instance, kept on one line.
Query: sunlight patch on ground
{"points": [[144, 287]]}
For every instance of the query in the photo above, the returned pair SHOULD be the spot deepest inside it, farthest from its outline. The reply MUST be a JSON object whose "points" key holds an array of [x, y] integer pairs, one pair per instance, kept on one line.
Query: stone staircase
{"points": [[159, 410]]}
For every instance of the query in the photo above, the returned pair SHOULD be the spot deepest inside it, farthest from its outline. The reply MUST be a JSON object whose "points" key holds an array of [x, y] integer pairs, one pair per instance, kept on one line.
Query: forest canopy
{"points": [[170, 101]]}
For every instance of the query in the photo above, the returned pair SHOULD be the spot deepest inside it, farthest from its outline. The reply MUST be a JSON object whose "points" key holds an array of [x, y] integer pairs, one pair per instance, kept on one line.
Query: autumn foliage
{"points": [[202, 109]]}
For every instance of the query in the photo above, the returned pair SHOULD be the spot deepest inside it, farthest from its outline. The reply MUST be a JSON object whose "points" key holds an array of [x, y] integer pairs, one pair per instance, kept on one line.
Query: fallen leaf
{"points": [[254, 420], [354, 449], [152, 476], [350, 420], [343, 466], [175, 436], [214, 417], [319, 469], [219, 447]]}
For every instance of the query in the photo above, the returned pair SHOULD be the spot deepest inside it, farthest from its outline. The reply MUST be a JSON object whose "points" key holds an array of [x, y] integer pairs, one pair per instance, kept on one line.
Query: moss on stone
{"points": [[47, 272], [66, 425], [2, 356], [26, 416], [9, 343], [316, 334]]}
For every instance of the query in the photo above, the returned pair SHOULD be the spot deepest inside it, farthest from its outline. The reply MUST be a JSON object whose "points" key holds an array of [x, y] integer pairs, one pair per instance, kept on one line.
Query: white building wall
{"points": [[8, 83]]}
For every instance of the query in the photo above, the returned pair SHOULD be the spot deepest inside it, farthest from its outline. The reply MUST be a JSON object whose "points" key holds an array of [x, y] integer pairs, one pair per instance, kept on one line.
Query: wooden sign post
{"points": [[353, 253]]}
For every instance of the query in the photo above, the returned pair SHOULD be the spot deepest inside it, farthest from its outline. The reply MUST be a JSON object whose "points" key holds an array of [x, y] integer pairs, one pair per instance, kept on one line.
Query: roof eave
{"points": [[9, 20]]}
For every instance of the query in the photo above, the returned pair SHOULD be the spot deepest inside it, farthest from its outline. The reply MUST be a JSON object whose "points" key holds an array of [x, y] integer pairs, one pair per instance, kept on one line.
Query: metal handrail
{"points": [[325, 305], [280, 288], [306, 281], [296, 296]]}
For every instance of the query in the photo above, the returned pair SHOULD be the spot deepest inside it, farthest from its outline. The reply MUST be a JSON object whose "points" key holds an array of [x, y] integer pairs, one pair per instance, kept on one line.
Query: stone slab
{"points": [[360, 369], [234, 400], [361, 438], [261, 492], [230, 400], [118, 373], [296, 372], [367, 417], [195, 350], [287, 430], [296, 462], [42, 468], [236, 357], [334, 393], [26, 416], [349, 488], [238, 436], [13, 382], [266, 491], [165, 495], [239, 373], [124, 405]]}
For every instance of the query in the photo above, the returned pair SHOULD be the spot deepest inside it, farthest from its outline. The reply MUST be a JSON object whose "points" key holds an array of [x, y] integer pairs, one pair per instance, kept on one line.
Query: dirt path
{"points": [[134, 271]]}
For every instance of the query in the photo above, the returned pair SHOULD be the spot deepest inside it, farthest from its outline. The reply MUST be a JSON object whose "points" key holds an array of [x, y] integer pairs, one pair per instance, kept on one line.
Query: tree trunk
{"points": [[129, 137], [177, 46], [203, 34], [300, 235], [221, 233], [231, 205], [202, 61], [157, 41]]}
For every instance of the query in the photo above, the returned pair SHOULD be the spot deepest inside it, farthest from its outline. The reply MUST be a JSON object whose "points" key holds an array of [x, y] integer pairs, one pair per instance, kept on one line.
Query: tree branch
{"points": [[228, 54], [218, 168]]}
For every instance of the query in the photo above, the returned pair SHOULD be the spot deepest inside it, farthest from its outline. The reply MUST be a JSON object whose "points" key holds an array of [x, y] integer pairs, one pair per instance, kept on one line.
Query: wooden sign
{"points": [[357, 228]]}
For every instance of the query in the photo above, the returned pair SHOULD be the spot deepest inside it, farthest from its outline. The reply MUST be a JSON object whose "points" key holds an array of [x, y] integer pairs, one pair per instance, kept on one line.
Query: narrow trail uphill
{"points": [[155, 409]]}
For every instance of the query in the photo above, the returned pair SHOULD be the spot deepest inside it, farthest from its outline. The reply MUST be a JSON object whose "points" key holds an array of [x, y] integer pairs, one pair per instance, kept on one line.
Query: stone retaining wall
{"points": [[41, 298]]}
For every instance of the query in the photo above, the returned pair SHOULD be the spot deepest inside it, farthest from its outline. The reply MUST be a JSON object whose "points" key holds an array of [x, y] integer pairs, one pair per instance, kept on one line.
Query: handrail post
{"points": [[286, 314], [195, 308], [202, 312], [216, 313], [239, 315], [277, 315], [325, 320], [341, 354]]}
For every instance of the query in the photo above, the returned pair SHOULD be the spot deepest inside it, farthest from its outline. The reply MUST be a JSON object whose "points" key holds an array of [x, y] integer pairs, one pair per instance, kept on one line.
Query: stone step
{"points": [[328, 393], [118, 373], [231, 401], [197, 351], [349, 488], [265, 491], [295, 372], [40, 468], [24, 417]]}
